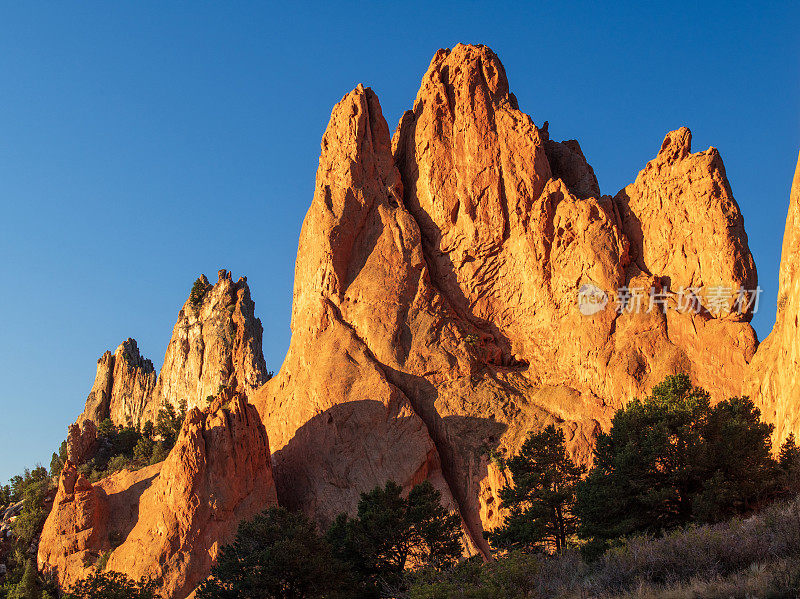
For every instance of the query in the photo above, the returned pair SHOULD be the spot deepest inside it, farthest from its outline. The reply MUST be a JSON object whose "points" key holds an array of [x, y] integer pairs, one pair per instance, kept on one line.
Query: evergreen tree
{"points": [[276, 555], [671, 459], [789, 463], [392, 532], [169, 422], [542, 495]]}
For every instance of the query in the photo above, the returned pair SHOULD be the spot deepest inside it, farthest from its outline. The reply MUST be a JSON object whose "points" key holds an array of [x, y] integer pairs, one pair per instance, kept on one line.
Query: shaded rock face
{"points": [[169, 520], [81, 441], [215, 343], [774, 381], [122, 387], [435, 317]]}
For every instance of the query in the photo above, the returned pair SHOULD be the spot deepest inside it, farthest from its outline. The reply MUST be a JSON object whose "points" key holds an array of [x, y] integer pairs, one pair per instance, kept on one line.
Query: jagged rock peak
{"points": [[122, 387], [683, 222], [337, 424], [216, 343]]}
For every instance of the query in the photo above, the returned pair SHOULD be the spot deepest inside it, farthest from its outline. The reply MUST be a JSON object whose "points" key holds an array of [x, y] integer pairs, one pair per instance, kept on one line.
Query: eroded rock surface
{"points": [[167, 521], [444, 288], [122, 387], [215, 344], [436, 322]]}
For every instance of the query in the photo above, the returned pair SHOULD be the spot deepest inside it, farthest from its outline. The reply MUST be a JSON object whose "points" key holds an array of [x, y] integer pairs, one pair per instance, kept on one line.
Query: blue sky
{"points": [[144, 143]]}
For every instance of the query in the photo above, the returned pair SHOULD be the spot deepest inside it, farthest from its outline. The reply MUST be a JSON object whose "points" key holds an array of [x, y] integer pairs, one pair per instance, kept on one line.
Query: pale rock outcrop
{"points": [[122, 387], [167, 521], [774, 383], [215, 343]]}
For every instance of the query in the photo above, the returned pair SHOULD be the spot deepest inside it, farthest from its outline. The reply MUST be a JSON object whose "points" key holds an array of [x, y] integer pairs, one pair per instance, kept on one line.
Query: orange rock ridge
{"points": [[435, 323], [448, 286]]}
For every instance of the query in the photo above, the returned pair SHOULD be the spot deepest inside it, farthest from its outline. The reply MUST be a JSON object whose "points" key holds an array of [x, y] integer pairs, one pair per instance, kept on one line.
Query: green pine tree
{"points": [[276, 555], [541, 496], [391, 533], [671, 459]]}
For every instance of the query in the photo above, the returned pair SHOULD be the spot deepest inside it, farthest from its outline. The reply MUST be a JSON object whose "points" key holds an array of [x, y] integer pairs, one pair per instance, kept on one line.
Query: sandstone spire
{"points": [[774, 382], [215, 343], [337, 423]]}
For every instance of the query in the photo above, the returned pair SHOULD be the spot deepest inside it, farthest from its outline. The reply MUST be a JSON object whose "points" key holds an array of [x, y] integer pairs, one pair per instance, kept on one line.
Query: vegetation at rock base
{"points": [[540, 500], [754, 557], [684, 500], [280, 555], [112, 585], [276, 555], [391, 533], [670, 460], [124, 447]]}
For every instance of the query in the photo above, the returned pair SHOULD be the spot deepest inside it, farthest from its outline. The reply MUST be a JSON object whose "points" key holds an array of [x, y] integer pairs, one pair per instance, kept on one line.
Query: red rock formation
{"points": [[774, 382], [167, 521], [436, 320], [449, 293], [81, 441], [122, 387], [337, 423]]}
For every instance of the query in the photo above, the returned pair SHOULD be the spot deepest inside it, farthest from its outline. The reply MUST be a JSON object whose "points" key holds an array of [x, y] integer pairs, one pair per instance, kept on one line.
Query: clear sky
{"points": [[144, 143]]}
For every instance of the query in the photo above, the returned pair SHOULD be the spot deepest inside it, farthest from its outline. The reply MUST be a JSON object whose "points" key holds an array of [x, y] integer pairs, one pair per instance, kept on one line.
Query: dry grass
{"points": [[753, 558]]}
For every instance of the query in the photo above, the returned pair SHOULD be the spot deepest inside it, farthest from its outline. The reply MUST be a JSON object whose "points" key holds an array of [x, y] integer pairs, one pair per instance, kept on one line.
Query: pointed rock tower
{"points": [[775, 378], [215, 344], [122, 387]]}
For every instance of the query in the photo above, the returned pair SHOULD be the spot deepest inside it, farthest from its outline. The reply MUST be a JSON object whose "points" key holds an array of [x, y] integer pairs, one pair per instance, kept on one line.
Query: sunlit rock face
{"points": [[167, 521], [215, 344], [774, 381], [436, 319]]}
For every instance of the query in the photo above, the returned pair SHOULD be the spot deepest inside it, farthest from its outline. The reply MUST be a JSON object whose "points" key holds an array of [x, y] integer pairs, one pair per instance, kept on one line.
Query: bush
{"points": [[111, 585], [31, 519], [707, 552]]}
